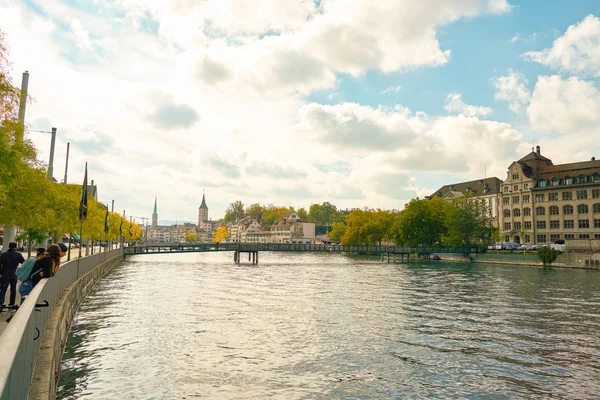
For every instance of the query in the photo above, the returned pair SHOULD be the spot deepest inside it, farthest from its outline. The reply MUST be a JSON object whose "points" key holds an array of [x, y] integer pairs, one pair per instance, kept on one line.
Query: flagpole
{"points": [[83, 204]]}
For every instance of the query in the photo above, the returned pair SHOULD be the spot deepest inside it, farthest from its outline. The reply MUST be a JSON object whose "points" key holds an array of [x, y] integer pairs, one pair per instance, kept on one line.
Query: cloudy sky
{"points": [[293, 102]]}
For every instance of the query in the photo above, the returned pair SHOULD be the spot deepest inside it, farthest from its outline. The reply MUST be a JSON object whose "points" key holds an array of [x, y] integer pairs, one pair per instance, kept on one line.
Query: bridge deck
{"points": [[287, 247]]}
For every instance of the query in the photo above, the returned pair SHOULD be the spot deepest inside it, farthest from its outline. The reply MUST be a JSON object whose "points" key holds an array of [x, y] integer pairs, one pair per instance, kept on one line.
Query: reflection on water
{"points": [[299, 326]]}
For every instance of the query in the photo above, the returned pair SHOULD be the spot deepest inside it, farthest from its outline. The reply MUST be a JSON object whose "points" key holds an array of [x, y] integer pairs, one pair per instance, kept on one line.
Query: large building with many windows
{"points": [[540, 202]]}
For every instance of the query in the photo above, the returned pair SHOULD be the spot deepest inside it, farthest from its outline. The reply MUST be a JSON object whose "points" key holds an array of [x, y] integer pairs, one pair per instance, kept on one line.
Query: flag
{"points": [[106, 220], [83, 202], [121, 224], [130, 227]]}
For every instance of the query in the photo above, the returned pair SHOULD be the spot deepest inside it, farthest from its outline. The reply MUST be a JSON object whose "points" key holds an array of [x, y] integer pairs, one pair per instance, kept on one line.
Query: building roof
{"points": [[155, 213], [571, 169], [479, 187]]}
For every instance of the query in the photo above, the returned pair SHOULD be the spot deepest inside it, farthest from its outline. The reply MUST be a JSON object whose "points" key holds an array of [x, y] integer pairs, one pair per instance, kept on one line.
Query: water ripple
{"points": [[326, 326]]}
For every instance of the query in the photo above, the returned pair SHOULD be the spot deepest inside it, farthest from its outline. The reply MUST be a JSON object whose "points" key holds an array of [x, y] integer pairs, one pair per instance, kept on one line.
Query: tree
{"points": [[272, 213], [302, 214], [191, 236], [322, 214], [220, 235], [234, 211], [255, 211], [467, 220], [337, 231], [421, 223], [31, 236], [547, 255], [366, 227]]}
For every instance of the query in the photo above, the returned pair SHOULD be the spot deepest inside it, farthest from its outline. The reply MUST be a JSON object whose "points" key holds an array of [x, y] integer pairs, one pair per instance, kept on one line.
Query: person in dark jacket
{"points": [[49, 262], [9, 262]]}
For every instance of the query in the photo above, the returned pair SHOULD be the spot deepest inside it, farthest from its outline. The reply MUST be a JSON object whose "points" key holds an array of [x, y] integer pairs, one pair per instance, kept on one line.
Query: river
{"points": [[327, 326]]}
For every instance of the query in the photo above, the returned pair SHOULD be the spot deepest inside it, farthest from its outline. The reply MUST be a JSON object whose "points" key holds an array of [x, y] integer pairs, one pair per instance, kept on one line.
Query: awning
{"points": [[75, 236]]}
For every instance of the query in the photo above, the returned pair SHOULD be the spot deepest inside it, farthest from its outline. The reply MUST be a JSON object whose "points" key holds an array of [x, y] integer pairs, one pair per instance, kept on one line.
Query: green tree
{"points": [[234, 211], [367, 227], [322, 214], [421, 223], [468, 221], [31, 237], [547, 255], [255, 211], [302, 214], [337, 231], [272, 213]]}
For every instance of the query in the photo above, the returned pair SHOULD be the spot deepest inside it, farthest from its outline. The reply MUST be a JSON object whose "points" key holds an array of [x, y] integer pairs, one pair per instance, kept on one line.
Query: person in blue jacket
{"points": [[9, 262]]}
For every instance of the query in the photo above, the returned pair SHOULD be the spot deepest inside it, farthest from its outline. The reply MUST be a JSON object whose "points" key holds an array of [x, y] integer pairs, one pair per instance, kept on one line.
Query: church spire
{"points": [[202, 211], [155, 214]]}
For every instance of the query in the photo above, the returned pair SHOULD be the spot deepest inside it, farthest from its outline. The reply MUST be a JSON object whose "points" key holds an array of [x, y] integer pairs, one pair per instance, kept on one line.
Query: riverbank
{"points": [[579, 260]]}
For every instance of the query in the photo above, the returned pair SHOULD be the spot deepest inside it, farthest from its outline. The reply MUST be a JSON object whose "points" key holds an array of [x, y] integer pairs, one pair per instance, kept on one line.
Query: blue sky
{"points": [[358, 103]]}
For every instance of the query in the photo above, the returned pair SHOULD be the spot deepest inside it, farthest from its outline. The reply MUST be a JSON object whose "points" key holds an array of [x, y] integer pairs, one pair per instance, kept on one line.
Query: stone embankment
{"points": [[587, 260]]}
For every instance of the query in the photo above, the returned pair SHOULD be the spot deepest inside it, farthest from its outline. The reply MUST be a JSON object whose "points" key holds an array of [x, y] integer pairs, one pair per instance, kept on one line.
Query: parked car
{"points": [[510, 246]]}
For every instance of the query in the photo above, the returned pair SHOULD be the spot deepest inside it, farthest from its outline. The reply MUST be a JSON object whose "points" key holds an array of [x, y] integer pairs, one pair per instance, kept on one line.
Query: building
{"points": [[486, 188], [289, 228], [541, 202]]}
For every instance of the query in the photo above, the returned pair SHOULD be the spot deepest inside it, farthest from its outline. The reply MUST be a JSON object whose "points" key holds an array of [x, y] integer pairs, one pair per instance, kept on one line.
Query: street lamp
{"points": [[51, 161]]}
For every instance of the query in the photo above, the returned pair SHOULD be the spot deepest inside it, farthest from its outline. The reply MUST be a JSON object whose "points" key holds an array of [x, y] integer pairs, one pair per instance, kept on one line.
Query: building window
{"points": [[515, 199], [596, 235], [596, 223], [554, 224], [596, 177], [568, 224], [584, 236], [541, 238], [581, 194], [505, 201], [507, 238], [582, 209], [539, 198], [525, 198], [567, 196], [517, 226], [596, 208], [527, 239], [517, 212], [542, 183], [515, 176], [568, 180], [540, 224], [527, 224], [555, 181], [505, 189], [515, 188], [581, 179], [526, 212], [553, 196], [506, 213], [569, 236], [526, 186], [567, 210], [554, 237], [553, 210], [540, 211], [595, 193], [507, 226], [584, 223]]}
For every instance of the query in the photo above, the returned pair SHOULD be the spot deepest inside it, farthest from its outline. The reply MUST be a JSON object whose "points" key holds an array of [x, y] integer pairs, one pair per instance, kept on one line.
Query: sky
{"points": [[359, 103]]}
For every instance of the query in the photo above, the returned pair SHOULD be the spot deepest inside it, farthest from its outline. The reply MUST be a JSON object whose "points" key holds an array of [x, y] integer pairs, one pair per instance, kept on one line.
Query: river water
{"points": [[326, 326]]}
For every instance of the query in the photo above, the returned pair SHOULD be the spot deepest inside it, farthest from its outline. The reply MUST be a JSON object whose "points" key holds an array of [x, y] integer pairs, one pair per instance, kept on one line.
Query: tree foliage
{"points": [[421, 223], [220, 235], [367, 227], [191, 236], [547, 255], [234, 211], [255, 211], [322, 214], [337, 231], [467, 220]]}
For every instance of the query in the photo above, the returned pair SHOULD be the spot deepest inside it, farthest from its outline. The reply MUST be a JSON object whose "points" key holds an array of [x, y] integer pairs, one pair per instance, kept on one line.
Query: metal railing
{"points": [[288, 247], [21, 340]]}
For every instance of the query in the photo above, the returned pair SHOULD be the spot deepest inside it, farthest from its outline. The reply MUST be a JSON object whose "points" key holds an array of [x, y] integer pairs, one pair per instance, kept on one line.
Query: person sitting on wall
{"points": [[49, 262], [27, 285]]}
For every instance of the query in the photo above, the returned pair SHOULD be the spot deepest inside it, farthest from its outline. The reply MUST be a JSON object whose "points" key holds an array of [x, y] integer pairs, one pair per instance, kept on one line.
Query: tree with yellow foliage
{"points": [[220, 234]]}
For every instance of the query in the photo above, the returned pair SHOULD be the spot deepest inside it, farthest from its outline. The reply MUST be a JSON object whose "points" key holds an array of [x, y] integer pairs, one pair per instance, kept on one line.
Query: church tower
{"points": [[155, 214], [202, 211]]}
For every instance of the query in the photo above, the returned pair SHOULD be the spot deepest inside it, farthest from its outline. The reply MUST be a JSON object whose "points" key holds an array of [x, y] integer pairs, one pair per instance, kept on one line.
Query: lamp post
{"points": [[51, 160]]}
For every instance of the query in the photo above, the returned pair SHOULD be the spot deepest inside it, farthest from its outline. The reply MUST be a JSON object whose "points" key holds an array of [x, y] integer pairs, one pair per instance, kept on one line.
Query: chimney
{"points": [[593, 158], [537, 149]]}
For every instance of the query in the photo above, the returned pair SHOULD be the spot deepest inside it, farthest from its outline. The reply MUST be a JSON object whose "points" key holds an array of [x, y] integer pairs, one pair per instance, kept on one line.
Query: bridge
{"points": [[391, 253]]}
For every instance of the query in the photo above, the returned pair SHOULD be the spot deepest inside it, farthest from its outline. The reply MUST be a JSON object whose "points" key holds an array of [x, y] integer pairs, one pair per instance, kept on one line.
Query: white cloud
{"points": [[455, 104], [391, 89], [512, 88], [82, 37], [577, 51]]}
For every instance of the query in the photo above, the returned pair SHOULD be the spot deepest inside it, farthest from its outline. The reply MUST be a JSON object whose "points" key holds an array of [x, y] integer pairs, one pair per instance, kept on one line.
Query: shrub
{"points": [[547, 255]]}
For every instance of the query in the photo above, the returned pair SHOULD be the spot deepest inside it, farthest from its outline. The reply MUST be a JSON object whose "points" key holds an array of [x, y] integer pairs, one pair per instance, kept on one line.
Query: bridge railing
{"points": [[21, 340], [287, 247]]}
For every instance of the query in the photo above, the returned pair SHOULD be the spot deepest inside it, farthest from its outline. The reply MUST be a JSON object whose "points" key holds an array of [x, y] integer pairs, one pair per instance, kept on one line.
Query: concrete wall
{"points": [[578, 260], [565, 260], [45, 377]]}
